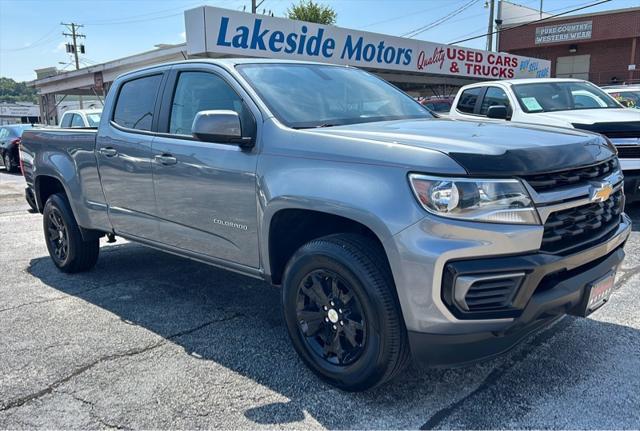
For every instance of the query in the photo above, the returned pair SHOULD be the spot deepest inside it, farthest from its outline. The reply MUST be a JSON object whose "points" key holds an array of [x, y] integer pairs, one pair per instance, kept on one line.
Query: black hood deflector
{"points": [[525, 161]]}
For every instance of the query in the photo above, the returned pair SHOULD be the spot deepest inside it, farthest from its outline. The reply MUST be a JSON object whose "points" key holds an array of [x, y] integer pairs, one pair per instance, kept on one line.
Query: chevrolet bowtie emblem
{"points": [[601, 192]]}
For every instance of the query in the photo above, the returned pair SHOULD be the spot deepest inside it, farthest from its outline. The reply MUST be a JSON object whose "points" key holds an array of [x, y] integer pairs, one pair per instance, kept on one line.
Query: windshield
{"points": [[629, 98], [310, 95], [561, 96], [93, 120]]}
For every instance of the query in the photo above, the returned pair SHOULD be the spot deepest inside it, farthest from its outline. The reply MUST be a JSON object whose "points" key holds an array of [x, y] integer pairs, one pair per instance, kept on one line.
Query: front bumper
{"points": [[553, 285], [632, 185]]}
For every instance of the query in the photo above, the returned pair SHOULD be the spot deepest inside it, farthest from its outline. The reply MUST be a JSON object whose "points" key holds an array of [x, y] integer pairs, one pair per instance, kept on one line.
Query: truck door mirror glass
{"points": [[219, 126], [499, 112]]}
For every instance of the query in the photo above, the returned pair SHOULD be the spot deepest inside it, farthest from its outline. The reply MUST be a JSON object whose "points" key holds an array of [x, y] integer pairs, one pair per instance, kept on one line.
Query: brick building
{"points": [[602, 47]]}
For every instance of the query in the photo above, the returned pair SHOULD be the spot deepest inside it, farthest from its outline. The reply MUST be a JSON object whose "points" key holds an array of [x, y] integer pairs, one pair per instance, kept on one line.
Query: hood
{"points": [[485, 148], [587, 116]]}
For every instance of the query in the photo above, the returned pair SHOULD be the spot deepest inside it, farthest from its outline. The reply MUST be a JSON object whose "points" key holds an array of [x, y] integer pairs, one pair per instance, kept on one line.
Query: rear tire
{"points": [[342, 312], [69, 252], [7, 162]]}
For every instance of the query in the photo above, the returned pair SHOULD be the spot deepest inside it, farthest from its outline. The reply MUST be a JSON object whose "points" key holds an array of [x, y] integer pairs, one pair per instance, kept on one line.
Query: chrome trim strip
{"points": [[545, 211], [568, 193]]}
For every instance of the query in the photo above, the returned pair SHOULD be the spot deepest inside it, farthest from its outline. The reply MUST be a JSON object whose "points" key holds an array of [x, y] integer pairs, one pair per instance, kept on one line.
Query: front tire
{"points": [[342, 313], [69, 252]]}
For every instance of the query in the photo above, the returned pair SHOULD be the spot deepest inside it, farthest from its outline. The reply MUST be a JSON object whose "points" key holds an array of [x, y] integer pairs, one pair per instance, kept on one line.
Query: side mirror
{"points": [[499, 112], [219, 126]]}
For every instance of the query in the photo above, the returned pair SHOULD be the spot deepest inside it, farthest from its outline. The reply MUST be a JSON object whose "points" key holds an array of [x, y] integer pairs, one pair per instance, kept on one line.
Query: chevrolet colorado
{"points": [[392, 234]]}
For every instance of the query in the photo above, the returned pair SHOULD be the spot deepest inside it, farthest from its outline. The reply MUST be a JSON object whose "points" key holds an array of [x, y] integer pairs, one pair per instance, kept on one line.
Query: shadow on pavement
{"points": [[633, 211], [236, 321]]}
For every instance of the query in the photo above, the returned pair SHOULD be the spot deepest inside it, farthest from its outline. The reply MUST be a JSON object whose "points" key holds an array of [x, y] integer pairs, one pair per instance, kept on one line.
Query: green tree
{"points": [[310, 11], [12, 91]]}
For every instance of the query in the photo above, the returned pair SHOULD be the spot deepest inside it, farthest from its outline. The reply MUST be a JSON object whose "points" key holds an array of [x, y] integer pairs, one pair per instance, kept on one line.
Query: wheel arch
{"points": [[287, 227]]}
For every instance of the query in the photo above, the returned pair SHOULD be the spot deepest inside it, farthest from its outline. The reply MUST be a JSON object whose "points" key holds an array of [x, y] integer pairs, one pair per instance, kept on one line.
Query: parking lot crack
{"points": [[18, 402], [496, 374]]}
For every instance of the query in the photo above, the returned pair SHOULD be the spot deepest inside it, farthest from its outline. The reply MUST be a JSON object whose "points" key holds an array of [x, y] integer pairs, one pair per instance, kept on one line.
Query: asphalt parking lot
{"points": [[150, 340]]}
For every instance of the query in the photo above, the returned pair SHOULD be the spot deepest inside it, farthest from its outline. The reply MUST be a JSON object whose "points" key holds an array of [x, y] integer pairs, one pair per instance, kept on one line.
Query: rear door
{"points": [[206, 192], [123, 150]]}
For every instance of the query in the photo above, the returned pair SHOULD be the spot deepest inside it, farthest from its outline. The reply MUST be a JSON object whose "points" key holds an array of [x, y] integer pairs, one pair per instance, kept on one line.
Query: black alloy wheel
{"points": [[58, 236], [69, 250], [342, 312], [330, 317]]}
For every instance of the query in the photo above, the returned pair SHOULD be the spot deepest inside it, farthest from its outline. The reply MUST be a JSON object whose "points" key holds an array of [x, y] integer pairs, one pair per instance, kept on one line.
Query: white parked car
{"points": [[75, 118], [572, 103]]}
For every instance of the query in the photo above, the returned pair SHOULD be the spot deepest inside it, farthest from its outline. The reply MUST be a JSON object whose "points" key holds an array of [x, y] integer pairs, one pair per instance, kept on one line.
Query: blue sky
{"points": [[30, 31]]}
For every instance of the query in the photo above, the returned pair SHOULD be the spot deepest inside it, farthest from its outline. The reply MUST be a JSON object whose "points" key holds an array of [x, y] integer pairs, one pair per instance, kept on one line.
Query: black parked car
{"points": [[10, 136]]}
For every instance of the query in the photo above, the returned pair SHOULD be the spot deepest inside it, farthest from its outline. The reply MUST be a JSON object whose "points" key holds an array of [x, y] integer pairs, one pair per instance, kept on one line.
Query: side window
{"points": [[66, 120], [468, 99], [493, 97], [2, 133], [202, 91], [76, 121], [135, 104]]}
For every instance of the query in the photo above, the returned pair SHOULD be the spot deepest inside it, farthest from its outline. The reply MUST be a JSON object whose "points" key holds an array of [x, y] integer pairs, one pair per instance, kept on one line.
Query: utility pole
{"points": [[73, 28], [490, 26], [255, 5]]}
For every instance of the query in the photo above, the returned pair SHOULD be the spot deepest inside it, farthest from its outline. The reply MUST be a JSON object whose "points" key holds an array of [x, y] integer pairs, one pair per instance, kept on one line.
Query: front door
{"points": [[124, 158], [205, 192]]}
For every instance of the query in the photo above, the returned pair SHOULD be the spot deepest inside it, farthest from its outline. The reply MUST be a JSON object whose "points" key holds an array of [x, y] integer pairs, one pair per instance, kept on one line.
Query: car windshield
{"points": [[630, 98], [561, 96], [93, 119], [310, 95]]}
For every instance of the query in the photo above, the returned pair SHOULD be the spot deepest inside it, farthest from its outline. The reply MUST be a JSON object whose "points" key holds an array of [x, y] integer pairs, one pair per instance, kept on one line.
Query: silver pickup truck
{"points": [[392, 234]]}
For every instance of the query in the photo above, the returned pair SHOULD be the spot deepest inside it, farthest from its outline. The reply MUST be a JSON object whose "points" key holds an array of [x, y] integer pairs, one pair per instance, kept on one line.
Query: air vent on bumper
{"points": [[487, 292]]}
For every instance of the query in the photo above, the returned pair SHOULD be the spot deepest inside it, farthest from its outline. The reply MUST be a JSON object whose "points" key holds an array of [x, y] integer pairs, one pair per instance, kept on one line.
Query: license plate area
{"points": [[599, 292]]}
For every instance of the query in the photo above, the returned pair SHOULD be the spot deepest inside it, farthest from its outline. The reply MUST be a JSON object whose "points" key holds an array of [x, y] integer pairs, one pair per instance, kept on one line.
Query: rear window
{"points": [[77, 121], [66, 120], [136, 101], [468, 99]]}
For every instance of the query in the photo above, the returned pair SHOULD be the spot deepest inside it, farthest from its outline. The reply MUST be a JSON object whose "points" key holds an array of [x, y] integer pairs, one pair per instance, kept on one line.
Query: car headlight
{"points": [[492, 201]]}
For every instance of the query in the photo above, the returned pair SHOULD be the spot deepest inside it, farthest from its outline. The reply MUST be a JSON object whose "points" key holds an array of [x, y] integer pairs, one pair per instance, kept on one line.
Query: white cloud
{"points": [[183, 36], [60, 47]]}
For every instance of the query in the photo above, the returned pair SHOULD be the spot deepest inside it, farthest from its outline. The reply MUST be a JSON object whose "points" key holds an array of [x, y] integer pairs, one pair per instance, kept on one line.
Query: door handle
{"points": [[166, 159], [108, 151]]}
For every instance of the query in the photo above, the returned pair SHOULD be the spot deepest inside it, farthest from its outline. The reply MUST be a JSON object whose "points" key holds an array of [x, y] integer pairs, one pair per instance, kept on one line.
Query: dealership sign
{"points": [[216, 31], [564, 32]]}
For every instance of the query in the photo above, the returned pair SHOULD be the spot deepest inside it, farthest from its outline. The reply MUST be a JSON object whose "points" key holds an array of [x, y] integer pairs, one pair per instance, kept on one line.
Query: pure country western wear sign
{"points": [[564, 32], [213, 30]]}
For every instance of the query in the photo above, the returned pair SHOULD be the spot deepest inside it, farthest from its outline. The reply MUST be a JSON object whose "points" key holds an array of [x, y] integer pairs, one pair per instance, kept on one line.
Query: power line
{"points": [[38, 42], [535, 13], [401, 16], [417, 31], [531, 22]]}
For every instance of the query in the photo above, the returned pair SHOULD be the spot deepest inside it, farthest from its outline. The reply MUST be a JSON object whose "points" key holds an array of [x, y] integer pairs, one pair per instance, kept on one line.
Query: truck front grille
{"points": [[629, 152], [576, 228], [547, 182]]}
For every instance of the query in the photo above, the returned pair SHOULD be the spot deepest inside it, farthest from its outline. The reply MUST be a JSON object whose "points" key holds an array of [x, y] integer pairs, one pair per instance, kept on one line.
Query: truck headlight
{"points": [[492, 201]]}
